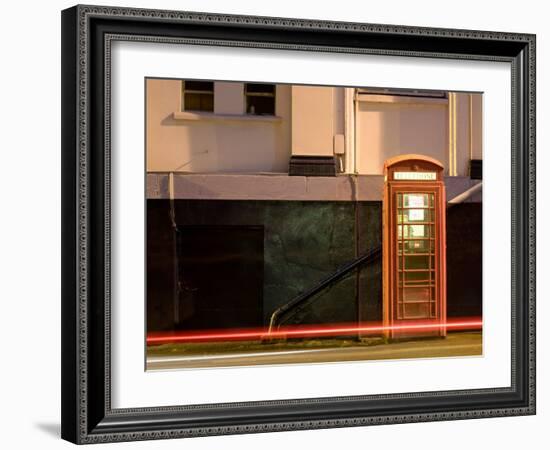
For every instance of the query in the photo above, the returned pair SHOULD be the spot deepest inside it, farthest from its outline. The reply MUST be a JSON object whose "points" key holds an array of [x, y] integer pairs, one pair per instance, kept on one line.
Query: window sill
{"points": [[205, 116]]}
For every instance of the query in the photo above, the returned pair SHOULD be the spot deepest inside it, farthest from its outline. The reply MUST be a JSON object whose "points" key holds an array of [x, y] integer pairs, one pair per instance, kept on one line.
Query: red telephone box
{"points": [[414, 274]]}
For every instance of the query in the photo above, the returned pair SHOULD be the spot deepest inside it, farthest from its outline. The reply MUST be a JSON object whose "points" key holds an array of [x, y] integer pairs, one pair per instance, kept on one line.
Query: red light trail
{"points": [[308, 331]]}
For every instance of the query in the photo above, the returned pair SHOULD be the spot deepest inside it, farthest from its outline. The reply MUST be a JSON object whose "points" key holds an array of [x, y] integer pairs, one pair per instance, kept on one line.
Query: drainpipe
{"points": [[355, 113], [354, 194], [349, 131], [175, 257]]}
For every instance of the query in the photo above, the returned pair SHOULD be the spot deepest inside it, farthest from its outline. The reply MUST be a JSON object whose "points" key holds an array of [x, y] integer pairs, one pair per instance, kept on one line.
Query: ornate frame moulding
{"points": [[87, 35]]}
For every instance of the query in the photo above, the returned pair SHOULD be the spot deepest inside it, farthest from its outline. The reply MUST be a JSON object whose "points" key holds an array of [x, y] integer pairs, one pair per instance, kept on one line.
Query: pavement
{"points": [[455, 344]]}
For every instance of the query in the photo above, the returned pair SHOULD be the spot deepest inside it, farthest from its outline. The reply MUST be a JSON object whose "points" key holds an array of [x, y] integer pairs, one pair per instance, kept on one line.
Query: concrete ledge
{"points": [[283, 187]]}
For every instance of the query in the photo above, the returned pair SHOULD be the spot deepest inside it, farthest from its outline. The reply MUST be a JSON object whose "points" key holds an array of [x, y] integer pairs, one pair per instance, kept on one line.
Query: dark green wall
{"points": [[160, 267], [303, 243], [464, 260]]}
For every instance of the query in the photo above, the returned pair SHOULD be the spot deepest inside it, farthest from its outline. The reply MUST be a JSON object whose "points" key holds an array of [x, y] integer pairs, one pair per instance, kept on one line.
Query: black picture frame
{"points": [[87, 32]]}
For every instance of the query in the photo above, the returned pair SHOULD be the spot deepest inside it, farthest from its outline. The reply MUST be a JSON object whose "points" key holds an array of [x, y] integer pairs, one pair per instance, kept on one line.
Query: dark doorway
{"points": [[220, 277], [464, 260]]}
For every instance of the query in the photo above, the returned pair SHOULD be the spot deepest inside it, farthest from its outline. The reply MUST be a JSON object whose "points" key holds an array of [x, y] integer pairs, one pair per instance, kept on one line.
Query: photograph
{"points": [[305, 224]]}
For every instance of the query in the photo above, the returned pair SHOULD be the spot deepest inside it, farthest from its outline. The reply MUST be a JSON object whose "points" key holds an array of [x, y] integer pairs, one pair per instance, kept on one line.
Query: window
{"points": [[197, 96], [260, 99]]}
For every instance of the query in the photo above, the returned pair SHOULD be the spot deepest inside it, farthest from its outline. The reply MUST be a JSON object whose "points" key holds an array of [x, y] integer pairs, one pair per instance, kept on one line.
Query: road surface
{"points": [[456, 344]]}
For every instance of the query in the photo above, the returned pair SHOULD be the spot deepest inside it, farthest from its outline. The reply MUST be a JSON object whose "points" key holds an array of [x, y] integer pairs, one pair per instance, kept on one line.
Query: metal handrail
{"points": [[369, 256]]}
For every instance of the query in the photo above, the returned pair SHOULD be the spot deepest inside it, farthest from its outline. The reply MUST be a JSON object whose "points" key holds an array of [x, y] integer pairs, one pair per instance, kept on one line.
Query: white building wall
{"points": [[387, 126], [313, 118], [228, 98], [462, 127], [476, 108], [226, 141], [309, 120]]}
